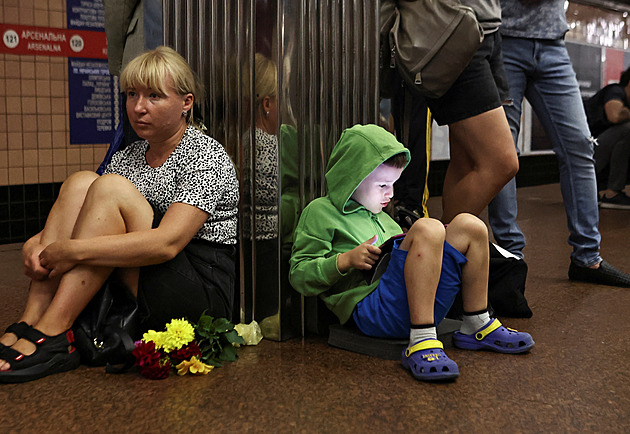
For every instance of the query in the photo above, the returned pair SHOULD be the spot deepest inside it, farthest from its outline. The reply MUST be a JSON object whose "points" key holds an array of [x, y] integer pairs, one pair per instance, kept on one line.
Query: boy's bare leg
{"points": [[424, 243], [59, 225], [108, 200], [479, 331], [481, 163], [469, 235]]}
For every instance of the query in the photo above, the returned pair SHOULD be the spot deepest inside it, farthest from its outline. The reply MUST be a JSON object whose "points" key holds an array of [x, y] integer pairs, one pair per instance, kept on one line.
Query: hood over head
{"points": [[359, 151]]}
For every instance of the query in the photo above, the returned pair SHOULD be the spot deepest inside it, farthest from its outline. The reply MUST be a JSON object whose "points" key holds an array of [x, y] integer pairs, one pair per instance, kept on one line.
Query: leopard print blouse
{"points": [[198, 172]]}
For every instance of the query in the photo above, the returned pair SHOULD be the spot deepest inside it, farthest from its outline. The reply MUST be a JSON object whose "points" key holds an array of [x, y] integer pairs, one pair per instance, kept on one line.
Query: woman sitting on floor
{"points": [[162, 220]]}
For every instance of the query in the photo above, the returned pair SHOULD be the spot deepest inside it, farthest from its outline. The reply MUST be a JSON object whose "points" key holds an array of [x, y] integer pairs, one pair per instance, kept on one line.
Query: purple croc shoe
{"points": [[427, 361], [494, 337]]}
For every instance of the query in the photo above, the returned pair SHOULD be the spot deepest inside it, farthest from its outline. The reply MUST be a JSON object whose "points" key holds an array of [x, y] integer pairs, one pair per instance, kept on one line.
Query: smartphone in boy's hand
{"points": [[380, 266]]}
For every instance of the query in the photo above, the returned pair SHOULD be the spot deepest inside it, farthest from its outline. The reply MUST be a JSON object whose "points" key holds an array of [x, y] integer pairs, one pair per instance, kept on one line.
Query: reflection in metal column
{"points": [[326, 56]]}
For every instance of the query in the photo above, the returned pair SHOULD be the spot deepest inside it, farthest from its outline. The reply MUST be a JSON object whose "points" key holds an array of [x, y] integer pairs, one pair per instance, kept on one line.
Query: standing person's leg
{"points": [[502, 215], [555, 97], [503, 209], [481, 163], [412, 122], [482, 154]]}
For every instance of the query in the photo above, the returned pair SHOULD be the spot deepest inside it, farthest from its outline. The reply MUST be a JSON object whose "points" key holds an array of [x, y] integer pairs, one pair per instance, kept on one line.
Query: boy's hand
{"points": [[362, 257]]}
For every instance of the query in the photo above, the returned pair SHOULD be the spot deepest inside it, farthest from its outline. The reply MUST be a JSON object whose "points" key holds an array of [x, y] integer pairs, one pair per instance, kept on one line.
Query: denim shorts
{"points": [[384, 313], [481, 87]]}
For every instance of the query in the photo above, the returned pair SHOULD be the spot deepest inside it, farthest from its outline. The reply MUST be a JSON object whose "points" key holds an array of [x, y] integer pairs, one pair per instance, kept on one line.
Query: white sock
{"points": [[419, 334], [473, 322]]}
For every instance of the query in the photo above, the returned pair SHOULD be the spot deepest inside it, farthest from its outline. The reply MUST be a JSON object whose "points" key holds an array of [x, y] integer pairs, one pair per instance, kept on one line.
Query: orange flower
{"points": [[194, 366]]}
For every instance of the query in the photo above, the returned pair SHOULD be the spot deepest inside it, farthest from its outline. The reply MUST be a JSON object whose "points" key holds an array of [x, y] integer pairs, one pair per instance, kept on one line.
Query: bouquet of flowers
{"points": [[189, 348]]}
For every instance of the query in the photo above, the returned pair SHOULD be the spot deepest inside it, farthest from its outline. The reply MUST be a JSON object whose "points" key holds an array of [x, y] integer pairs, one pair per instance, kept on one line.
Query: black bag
{"points": [[506, 285], [506, 288], [106, 330], [429, 42]]}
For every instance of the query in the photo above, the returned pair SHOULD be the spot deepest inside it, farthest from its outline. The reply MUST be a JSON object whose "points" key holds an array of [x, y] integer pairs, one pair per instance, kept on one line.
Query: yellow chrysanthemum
{"points": [[193, 366], [179, 332], [155, 337]]}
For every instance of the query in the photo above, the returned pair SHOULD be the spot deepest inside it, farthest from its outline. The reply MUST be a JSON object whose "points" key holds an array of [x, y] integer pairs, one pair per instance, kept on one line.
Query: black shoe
{"points": [[53, 354], [618, 201], [606, 274]]}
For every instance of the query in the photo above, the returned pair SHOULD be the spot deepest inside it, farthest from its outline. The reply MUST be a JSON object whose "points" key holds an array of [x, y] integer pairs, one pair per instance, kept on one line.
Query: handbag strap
{"points": [[129, 347]]}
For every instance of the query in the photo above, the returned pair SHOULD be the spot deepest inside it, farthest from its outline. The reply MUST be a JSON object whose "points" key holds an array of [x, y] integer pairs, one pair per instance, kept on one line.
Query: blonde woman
{"points": [[162, 219]]}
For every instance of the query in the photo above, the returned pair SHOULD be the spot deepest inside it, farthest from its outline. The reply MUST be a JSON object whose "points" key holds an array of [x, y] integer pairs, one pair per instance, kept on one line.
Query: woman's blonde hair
{"points": [[266, 83], [152, 68]]}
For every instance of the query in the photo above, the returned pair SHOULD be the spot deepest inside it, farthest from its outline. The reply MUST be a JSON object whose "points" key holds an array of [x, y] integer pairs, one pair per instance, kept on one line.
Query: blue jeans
{"points": [[541, 71]]}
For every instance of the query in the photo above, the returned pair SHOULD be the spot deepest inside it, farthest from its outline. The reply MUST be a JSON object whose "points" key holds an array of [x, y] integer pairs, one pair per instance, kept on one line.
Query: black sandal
{"points": [[53, 354]]}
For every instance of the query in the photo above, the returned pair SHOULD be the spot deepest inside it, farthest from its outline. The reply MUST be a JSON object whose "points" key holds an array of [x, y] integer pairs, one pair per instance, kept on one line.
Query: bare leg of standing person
{"points": [[483, 160]]}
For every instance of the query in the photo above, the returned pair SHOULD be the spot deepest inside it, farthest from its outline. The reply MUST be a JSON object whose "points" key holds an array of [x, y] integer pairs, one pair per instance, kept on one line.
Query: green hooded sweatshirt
{"points": [[335, 223]]}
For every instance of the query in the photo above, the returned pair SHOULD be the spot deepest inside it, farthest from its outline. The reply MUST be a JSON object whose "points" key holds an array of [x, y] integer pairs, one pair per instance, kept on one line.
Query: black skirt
{"points": [[200, 278]]}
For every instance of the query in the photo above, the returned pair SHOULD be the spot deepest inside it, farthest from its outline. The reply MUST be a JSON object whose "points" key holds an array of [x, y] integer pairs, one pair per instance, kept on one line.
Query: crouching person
{"points": [[337, 237]]}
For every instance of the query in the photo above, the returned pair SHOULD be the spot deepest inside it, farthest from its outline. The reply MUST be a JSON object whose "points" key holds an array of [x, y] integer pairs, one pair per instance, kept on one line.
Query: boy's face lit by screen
{"points": [[377, 189]]}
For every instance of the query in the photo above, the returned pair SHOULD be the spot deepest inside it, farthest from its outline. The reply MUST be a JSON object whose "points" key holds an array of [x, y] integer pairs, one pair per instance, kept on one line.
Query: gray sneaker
{"points": [[618, 201]]}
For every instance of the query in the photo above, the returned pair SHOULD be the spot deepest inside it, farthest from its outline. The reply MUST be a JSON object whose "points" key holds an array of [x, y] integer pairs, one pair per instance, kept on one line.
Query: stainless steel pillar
{"points": [[326, 54]]}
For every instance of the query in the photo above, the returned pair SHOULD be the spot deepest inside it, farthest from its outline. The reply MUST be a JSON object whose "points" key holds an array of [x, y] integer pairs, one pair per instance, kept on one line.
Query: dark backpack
{"points": [[430, 42]]}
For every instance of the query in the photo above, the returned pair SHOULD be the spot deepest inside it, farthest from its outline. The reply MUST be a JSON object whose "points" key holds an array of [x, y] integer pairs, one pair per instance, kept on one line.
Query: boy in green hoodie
{"points": [[337, 237]]}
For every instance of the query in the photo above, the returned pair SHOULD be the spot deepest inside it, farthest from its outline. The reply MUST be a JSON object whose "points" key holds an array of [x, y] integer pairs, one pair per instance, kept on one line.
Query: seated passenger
{"points": [[337, 237], [162, 219], [608, 113]]}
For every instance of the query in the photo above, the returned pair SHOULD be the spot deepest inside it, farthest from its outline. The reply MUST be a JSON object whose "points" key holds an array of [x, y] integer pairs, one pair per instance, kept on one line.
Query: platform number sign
{"points": [[11, 39], [76, 43]]}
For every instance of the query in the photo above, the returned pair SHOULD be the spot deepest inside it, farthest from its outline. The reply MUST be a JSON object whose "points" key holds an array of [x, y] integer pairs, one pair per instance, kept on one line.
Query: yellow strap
{"points": [[424, 345], [480, 335]]}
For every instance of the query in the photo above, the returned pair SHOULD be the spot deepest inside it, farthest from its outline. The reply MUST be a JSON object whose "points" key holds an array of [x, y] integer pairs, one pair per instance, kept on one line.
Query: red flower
{"points": [[158, 371], [185, 353], [146, 354]]}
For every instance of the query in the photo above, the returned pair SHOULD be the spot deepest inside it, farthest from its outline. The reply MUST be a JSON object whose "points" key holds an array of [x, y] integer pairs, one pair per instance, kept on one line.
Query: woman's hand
{"points": [[30, 255], [362, 257], [57, 258]]}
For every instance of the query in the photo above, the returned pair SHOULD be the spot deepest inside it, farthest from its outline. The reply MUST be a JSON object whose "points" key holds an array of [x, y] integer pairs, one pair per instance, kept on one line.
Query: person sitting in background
{"points": [[608, 113], [162, 220], [337, 237]]}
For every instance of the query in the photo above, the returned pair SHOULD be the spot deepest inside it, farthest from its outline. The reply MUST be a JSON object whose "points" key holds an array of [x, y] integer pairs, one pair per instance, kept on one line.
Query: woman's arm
{"points": [[179, 224]]}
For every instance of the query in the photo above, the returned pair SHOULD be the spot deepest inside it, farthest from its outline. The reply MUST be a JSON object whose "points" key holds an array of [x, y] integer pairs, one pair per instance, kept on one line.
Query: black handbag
{"points": [[429, 42], [506, 288], [106, 330]]}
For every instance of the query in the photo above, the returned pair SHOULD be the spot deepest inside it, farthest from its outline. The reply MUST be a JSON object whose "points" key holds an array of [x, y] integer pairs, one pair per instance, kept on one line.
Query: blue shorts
{"points": [[384, 313]]}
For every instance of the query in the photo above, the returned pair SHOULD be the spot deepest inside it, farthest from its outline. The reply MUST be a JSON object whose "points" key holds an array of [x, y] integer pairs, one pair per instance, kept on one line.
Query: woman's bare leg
{"points": [[469, 235], [112, 206], [59, 225], [483, 160]]}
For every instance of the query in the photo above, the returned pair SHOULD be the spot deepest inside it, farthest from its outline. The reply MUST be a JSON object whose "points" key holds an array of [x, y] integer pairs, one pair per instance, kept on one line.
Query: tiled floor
{"points": [[576, 379]]}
